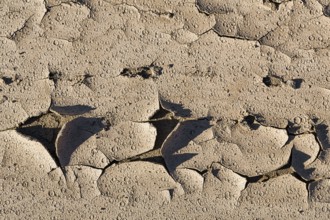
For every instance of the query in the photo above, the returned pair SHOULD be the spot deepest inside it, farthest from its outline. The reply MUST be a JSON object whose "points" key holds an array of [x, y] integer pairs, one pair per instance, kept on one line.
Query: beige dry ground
{"points": [[164, 109]]}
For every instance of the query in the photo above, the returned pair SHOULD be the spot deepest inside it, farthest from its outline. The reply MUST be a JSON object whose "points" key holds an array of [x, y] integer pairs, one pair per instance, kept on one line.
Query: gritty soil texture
{"points": [[181, 109]]}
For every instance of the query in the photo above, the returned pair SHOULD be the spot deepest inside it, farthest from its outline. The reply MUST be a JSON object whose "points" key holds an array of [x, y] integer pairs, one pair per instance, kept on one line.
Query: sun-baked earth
{"points": [[174, 109]]}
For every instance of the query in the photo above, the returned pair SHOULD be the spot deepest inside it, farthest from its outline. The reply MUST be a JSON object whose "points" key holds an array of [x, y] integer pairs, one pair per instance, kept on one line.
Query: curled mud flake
{"points": [[285, 190], [43, 128], [73, 134], [126, 140], [23, 157], [137, 181], [190, 180], [82, 180]]}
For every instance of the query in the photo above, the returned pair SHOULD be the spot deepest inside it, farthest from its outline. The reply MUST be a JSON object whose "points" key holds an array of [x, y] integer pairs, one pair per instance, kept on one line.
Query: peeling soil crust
{"points": [[185, 109]]}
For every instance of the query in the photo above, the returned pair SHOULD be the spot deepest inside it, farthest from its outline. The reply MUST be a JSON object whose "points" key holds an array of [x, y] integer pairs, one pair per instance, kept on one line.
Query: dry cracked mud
{"points": [[174, 109]]}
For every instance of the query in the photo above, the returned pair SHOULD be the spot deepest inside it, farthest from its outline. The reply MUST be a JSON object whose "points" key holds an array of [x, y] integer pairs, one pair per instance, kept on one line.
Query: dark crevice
{"points": [[106, 123], [48, 8], [3, 99], [292, 128], [158, 13], [285, 169], [155, 159], [163, 127], [160, 113], [256, 118], [167, 14], [152, 156], [236, 37], [321, 135], [326, 10], [146, 72], [171, 192], [14, 34], [290, 139], [176, 109], [249, 179], [76, 132], [87, 80], [272, 80], [112, 163], [171, 15], [297, 83], [200, 10], [36, 129], [250, 120], [7, 80], [296, 175], [319, 144], [81, 2], [307, 182], [253, 179], [73, 109], [275, 5], [55, 76], [148, 155], [185, 132], [202, 173], [196, 126]]}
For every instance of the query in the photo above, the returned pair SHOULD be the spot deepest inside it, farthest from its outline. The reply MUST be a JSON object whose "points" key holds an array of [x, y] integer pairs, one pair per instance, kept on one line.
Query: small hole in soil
{"points": [[7, 80], [55, 76], [267, 81], [297, 83]]}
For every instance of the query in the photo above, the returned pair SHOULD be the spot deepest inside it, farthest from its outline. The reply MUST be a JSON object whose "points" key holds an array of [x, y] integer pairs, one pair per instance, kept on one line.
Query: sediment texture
{"points": [[183, 109]]}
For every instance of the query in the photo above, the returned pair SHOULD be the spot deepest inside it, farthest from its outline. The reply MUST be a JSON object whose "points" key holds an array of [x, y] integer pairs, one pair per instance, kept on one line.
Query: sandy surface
{"points": [[174, 109]]}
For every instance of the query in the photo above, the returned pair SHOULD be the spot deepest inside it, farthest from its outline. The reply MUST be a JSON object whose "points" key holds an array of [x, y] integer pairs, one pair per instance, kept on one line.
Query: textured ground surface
{"points": [[174, 109]]}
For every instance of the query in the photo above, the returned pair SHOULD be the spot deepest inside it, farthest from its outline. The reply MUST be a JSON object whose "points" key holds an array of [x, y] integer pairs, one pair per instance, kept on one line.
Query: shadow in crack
{"points": [[293, 128], [73, 134], [250, 120], [322, 131], [7, 80], [43, 128], [178, 159], [299, 158], [46, 136], [164, 127], [72, 110], [177, 109], [179, 139]]}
